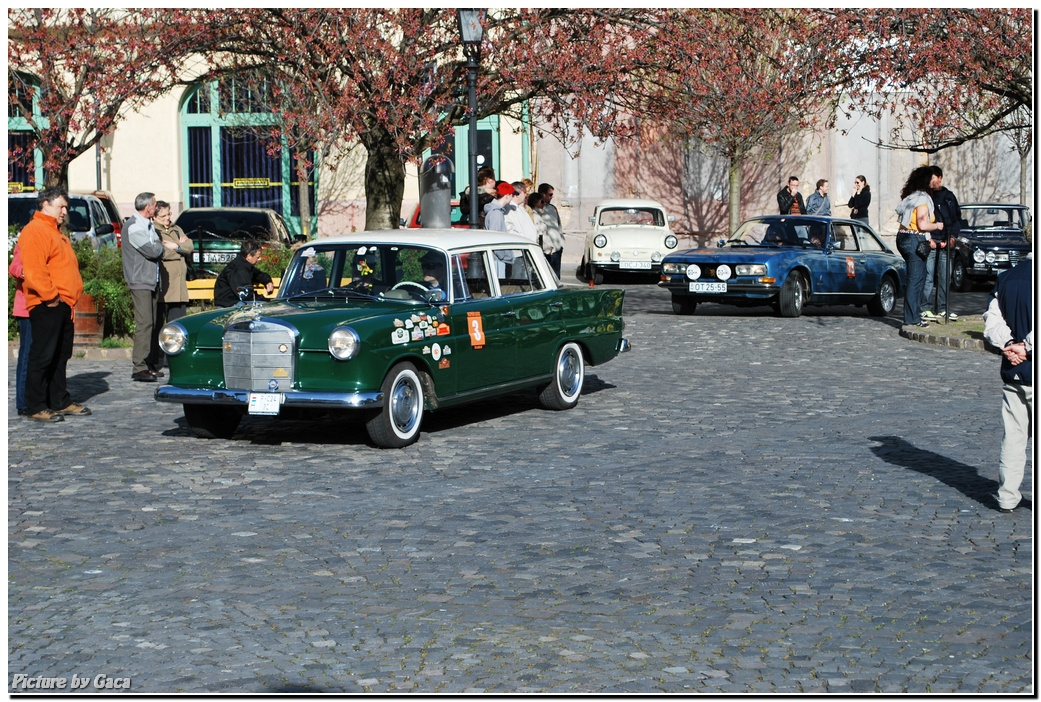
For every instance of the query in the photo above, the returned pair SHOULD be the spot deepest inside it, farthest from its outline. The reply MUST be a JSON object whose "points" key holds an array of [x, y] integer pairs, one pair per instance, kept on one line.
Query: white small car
{"points": [[628, 235]]}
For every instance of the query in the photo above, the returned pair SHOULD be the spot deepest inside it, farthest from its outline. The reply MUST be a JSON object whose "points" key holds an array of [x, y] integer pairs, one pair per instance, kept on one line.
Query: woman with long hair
{"points": [[858, 204], [917, 219]]}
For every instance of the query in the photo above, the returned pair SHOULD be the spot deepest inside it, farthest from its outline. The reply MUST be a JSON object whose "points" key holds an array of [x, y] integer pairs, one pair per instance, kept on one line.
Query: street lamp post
{"points": [[471, 31]]}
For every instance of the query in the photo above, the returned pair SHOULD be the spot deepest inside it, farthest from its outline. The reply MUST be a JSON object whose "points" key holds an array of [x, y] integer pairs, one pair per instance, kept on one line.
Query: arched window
{"points": [[24, 160], [233, 155]]}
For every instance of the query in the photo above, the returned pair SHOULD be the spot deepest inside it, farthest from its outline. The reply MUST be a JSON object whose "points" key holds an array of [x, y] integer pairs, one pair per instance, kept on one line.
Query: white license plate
{"points": [[217, 257], [708, 287], [264, 402], [636, 265]]}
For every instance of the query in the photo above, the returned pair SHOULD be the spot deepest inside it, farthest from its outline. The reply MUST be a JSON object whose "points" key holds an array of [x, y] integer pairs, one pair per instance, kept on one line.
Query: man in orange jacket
{"points": [[52, 286]]}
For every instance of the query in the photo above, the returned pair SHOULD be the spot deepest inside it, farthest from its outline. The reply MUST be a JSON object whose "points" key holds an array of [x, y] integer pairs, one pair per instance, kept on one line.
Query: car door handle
{"points": [[511, 313], [556, 305]]}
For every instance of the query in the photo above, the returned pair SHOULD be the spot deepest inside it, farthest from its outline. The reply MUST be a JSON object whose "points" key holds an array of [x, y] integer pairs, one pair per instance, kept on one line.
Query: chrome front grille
{"points": [[259, 356]]}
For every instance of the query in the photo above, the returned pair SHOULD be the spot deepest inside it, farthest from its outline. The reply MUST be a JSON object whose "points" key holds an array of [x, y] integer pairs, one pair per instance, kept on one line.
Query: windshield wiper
{"points": [[333, 292]]}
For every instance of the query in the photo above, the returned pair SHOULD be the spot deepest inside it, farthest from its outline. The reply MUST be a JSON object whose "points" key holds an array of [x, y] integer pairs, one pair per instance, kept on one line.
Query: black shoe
{"points": [[157, 372], [144, 376], [23, 413]]}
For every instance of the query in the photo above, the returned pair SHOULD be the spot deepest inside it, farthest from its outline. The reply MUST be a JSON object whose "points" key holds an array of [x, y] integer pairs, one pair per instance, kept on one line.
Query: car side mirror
{"points": [[436, 295], [592, 219], [671, 218], [104, 229], [721, 243]]}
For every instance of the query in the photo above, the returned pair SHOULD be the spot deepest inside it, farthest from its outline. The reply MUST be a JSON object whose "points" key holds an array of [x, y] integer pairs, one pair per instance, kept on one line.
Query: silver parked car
{"points": [[88, 218]]}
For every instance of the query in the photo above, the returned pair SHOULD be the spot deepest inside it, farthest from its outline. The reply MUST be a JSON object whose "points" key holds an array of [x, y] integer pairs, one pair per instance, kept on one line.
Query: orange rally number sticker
{"points": [[473, 323], [851, 267]]}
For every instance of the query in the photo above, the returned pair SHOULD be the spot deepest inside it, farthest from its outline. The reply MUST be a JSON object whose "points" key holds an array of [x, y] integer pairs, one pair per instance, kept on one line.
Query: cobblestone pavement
{"points": [[743, 503]]}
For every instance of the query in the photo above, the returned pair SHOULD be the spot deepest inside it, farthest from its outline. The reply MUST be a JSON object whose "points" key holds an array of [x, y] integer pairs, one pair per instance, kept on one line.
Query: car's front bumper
{"points": [[986, 270], [240, 398], [629, 266]]}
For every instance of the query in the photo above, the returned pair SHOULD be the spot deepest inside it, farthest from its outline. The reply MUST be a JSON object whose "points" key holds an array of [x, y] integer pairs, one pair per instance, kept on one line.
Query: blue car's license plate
{"points": [[708, 287]]}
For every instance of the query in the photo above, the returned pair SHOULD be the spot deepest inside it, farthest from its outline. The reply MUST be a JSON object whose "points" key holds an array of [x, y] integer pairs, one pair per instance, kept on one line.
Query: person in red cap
{"points": [[494, 214]]}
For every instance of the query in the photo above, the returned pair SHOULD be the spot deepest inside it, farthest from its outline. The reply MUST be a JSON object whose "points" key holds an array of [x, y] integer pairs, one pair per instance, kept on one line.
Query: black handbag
{"points": [[922, 250]]}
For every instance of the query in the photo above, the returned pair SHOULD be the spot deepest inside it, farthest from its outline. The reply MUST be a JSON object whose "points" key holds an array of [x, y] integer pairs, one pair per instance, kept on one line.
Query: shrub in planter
{"points": [[102, 273]]}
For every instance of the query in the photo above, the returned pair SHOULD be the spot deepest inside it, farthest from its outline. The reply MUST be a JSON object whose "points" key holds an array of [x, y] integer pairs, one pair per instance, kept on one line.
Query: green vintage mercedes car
{"points": [[393, 324]]}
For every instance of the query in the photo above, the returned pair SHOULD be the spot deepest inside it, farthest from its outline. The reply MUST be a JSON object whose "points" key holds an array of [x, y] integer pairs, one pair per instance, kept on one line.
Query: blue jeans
{"points": [[906, 244], [935, 269], [25, 340]]}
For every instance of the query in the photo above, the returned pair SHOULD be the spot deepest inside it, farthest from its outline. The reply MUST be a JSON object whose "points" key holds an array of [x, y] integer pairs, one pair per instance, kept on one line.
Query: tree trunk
{"points": [[384, 183], [734, 174], [304, 193], [55, 177]]}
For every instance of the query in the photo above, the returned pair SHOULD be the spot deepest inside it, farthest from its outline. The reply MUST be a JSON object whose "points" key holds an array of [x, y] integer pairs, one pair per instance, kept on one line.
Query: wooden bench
{"points": [[202, 289]]}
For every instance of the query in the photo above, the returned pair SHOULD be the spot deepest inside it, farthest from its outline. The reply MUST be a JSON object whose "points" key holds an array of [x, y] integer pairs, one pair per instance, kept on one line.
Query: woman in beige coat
{"points": [[173, 276]]}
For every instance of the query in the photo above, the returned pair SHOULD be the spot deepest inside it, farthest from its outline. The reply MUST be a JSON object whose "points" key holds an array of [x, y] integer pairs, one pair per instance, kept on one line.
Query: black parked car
{"points": [[992, 239], [218, 233]]}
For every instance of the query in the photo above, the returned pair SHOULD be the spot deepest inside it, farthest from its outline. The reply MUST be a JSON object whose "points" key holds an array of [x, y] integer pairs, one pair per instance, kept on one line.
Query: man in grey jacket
{"points": [[142, 251]]}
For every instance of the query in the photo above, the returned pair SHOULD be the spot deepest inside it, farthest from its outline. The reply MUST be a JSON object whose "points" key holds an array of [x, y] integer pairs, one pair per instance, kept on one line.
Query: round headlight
{"points": [[615, 256], [723, 272], [693, 271], [344, 343], [600, 241], [978, 256], [172, 339], [991, 257], [670, 242], [656, 256]]}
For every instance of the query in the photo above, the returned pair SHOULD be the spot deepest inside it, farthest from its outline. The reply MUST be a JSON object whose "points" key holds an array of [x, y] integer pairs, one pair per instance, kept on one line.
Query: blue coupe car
{"points": [[788, 262]]}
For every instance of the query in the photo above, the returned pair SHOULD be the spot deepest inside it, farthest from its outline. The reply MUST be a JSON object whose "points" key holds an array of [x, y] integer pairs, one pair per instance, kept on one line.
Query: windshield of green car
{"points": [[390, 271]]}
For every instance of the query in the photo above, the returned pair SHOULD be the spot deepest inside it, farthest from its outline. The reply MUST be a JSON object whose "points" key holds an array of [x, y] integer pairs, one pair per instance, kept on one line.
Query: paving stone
{"points": [[742, 504]]}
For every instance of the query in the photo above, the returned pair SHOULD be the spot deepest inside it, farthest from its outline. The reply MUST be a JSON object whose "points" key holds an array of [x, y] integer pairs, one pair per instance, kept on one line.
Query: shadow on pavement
{"points": [[84, 386], [964, 478], [348, 427]]}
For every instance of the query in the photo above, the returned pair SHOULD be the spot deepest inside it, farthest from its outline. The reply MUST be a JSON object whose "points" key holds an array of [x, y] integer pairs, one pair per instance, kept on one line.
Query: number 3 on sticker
{"points": [[473, 323]]}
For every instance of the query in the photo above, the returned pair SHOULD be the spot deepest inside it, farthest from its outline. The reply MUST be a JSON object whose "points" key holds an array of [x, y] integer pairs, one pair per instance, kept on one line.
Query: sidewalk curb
{"points": [[87, 352], [956, 342]]}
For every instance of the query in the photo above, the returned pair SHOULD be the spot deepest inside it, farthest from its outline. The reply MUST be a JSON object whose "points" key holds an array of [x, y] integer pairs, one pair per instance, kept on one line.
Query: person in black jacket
{"points": [[1009, 325], [937, 265], [241, 272], [858, 204], [789, 199]]}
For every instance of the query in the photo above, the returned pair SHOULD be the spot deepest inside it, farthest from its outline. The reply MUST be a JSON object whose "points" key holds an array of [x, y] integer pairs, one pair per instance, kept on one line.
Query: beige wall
{"points": [[143, 154]]}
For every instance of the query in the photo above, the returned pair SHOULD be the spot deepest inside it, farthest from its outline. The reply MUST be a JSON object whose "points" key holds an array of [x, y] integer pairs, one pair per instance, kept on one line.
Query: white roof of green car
{"points": [[448, 239]]}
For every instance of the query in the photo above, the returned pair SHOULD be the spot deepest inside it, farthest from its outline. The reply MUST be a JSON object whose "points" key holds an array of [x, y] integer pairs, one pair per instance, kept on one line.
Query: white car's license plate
{"points": [[636, 265], [264, 402], [216, 257], [708, 287]]}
